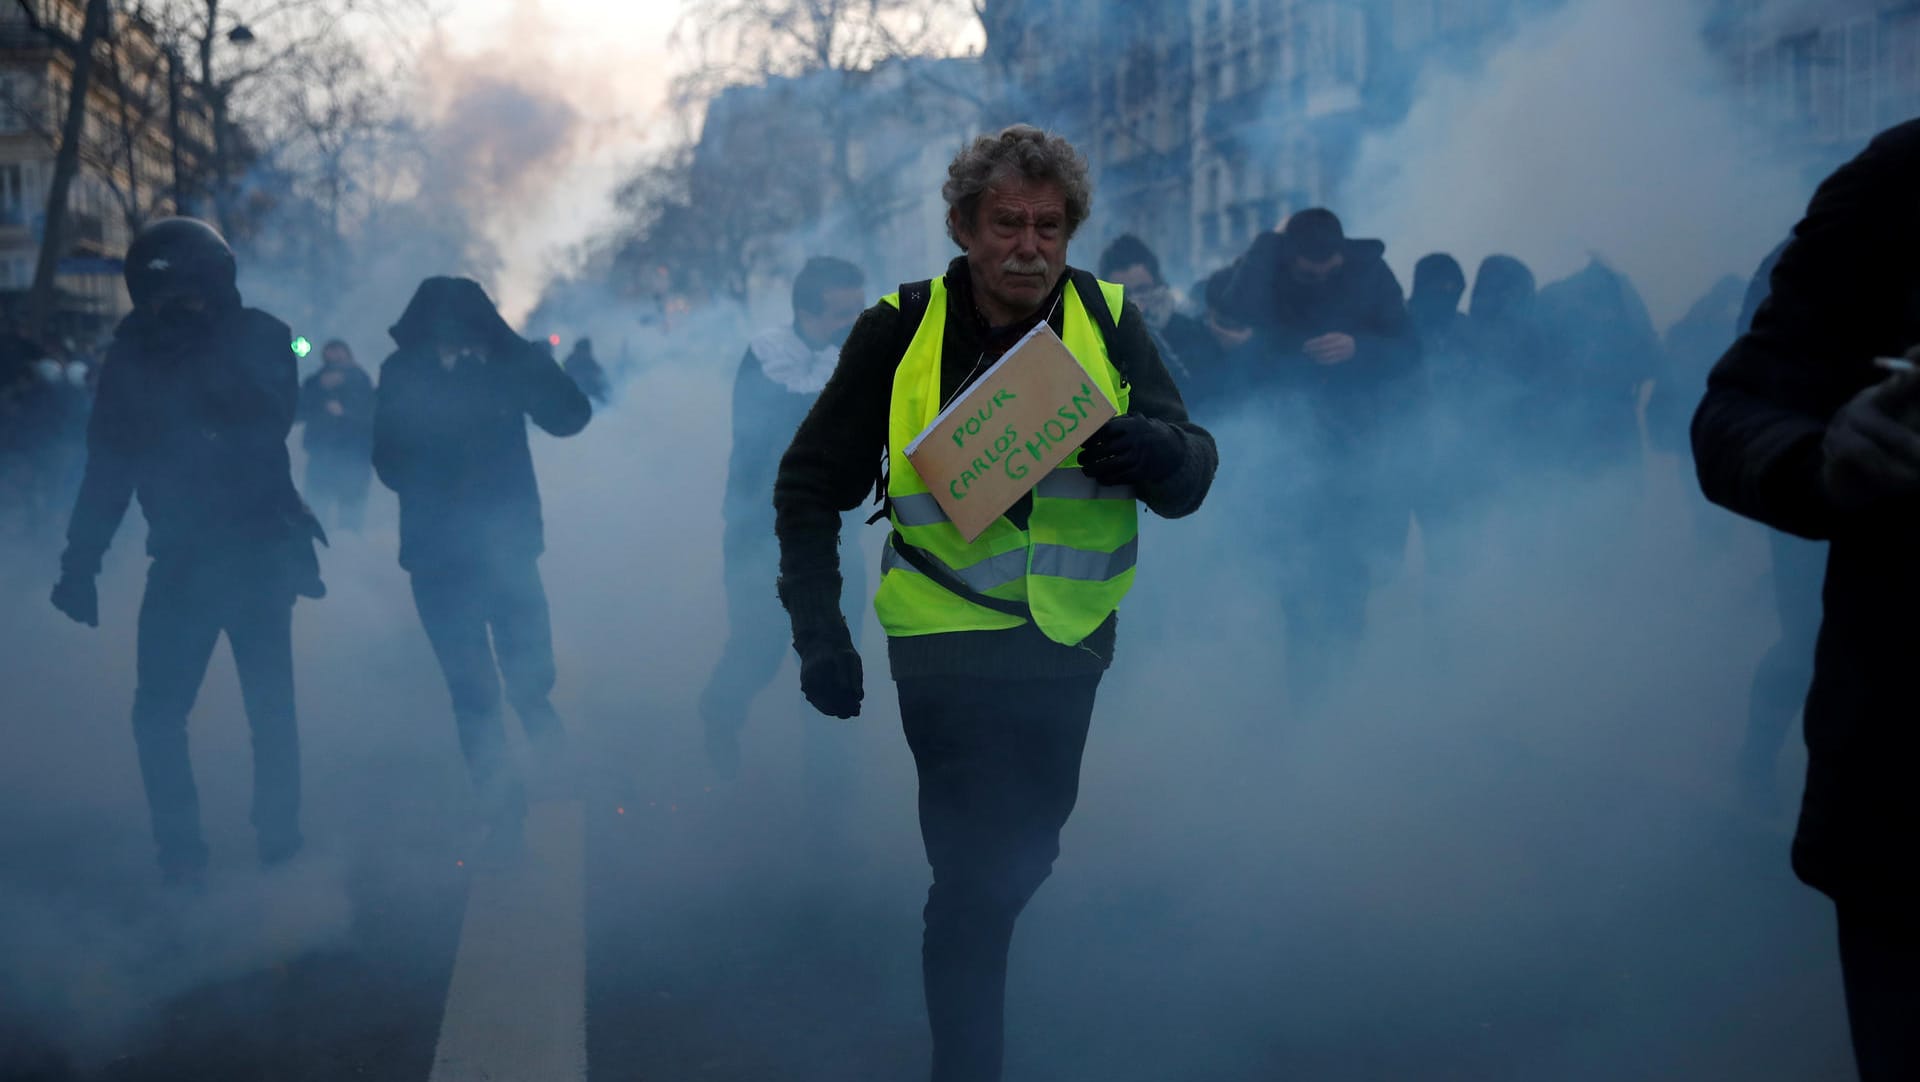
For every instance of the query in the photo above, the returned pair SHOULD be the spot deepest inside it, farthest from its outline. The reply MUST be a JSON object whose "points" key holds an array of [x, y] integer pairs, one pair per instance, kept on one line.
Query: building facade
{"points": [[144, 134], [1818, 78], [1209, 121]]}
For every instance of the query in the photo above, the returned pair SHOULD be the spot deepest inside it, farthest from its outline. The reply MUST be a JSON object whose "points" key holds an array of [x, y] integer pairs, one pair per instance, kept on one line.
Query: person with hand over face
{"points": [[450, 439], [1805, 428], [997, 646], [1334, 346], [197, 397]]}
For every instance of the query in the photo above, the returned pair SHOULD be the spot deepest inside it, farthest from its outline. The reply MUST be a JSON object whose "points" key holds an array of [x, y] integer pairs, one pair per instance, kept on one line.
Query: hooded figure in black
{"points": [[1513, 392], [196, 400], [1803, 431], [1335, 349], [450, 439], [336, 407], [1452, 478], [1601, 350]]}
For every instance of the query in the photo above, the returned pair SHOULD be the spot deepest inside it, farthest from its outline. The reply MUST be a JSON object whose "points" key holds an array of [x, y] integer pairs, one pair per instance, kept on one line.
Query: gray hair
{"points": [[1019, 151]]}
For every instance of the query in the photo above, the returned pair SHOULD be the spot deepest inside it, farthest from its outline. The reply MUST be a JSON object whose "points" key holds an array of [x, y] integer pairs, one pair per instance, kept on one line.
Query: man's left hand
{"points": [[1331, 349], [1131, 450]]}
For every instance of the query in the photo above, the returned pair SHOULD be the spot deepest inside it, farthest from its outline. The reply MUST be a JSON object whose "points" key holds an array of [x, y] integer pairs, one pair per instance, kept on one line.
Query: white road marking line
{"points": [[517, 1004]]}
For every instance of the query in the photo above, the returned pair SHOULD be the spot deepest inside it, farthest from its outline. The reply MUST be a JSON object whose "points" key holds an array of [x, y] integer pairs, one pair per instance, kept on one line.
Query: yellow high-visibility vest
{"points": [[1073, 563]]}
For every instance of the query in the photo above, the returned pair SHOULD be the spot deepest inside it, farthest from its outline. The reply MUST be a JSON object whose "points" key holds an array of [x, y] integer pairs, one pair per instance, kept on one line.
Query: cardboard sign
{"points": [[1022, 418]]}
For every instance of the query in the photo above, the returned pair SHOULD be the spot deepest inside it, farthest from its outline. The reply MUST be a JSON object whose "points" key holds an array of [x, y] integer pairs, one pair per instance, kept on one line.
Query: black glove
{"points": [[830, 673], [1131, 450], [76, 596], [1872, 447]]}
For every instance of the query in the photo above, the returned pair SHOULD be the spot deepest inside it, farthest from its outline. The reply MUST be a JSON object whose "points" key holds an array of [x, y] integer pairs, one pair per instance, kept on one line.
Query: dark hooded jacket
{"points": [[1362, 299], [194, 421], [349, 434], [1601, 347], [452, 442], [1843, 293]]}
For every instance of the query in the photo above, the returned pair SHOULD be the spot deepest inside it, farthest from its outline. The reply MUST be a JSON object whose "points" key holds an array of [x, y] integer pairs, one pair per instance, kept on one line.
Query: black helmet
{"points": [[179, 257]]}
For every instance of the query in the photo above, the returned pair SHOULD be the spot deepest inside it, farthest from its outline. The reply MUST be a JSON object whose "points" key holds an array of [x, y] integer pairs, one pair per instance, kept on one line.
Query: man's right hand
{"points": [[830, 673], [1872, 447], [76, 596]]}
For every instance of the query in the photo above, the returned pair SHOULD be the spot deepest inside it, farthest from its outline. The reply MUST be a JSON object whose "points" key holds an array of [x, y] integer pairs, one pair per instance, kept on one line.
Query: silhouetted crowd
{"points": [[1432, 405]]}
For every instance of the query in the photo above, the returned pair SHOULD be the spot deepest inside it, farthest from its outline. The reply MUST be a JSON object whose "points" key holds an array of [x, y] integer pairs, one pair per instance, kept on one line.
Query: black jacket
{"points": [[348, 434], [835, 457], [452, 442], [1350, 402], [1843, 293], [196, 425]]}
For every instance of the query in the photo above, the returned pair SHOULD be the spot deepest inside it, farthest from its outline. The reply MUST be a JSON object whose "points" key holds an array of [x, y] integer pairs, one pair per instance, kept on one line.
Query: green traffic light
{"points": [[302, 347]]}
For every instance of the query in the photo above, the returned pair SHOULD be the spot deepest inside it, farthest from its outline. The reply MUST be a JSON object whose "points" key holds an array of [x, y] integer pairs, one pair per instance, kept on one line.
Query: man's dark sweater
{"points": [[836, 454]]}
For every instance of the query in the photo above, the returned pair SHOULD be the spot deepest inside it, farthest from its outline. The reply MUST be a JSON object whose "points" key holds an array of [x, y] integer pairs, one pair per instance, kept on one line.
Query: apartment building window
{"points": [[1412, 24], [16, 273], [1465, 16], [1828, 109], [1333, 44], [1897, 87], [1795, 61], [14, 199], [1859, 75], [16, 101]]}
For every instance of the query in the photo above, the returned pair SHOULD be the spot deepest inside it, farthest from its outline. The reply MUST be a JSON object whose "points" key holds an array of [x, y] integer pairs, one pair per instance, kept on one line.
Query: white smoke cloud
{"points": [[1606, 127]]}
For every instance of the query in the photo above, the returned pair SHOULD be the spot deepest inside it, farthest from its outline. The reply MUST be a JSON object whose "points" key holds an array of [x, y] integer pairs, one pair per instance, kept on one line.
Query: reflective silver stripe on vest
{"points": [[919, 509], [1076, 485], [988, 574], [1061, 562]]}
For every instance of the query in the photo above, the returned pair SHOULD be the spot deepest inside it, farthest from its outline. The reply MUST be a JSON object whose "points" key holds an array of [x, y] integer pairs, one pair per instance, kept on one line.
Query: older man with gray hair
{"points": [[996, 659]]}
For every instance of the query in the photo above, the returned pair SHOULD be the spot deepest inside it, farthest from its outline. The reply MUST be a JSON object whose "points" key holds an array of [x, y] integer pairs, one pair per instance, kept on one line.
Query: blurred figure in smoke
{"points": [[196, 400], [1695, 341], [1452, 478], [450, 439], [50, 433], [1801, 430], [586, 373], [1515, 404], [1332, 338], [1439, 284], [336, 405], [779, 378], [1602, 351], [19, 435], [1183, 340], [996, 666]]}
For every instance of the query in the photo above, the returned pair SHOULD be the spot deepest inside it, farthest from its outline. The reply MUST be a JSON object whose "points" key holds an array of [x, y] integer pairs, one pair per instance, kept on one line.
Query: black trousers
{"points": [[189, 603], [999, 766], [1880, 961], [487, 623]]}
